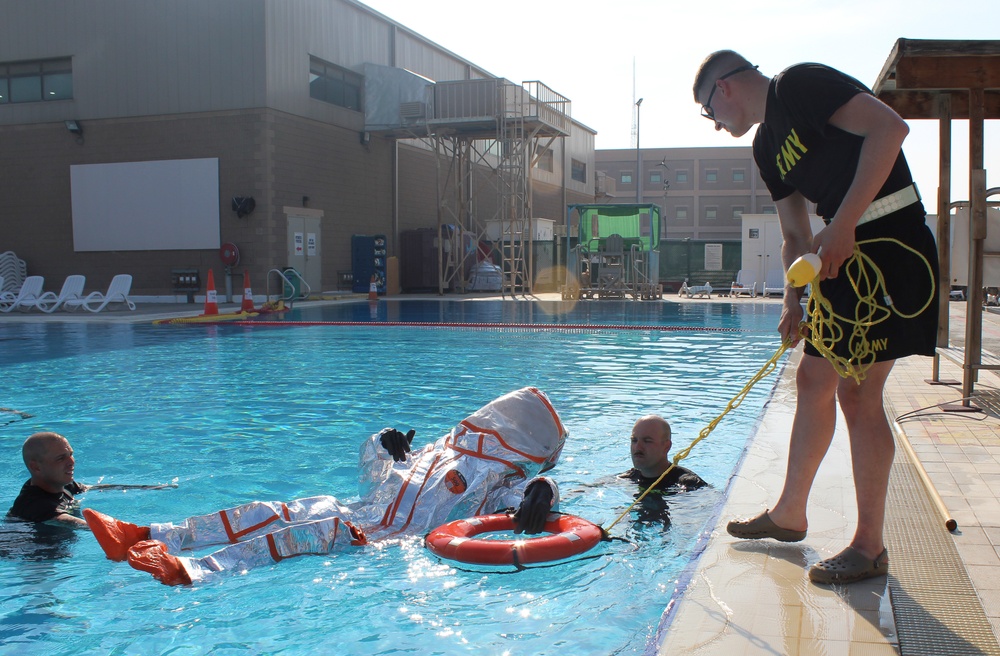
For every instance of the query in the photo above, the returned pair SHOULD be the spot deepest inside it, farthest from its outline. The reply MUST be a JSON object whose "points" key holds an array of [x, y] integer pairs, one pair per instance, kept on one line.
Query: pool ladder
{"points": [[285, 282]]}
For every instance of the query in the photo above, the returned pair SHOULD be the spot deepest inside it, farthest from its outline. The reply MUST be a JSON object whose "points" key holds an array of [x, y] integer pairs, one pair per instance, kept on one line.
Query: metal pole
{"points": [[638, 155]]}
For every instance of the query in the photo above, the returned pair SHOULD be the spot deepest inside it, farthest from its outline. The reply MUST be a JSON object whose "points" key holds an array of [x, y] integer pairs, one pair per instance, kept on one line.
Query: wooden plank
{"points": [[956, 354], [912, 104], [948, 73], [943, 110], [946, 47]]}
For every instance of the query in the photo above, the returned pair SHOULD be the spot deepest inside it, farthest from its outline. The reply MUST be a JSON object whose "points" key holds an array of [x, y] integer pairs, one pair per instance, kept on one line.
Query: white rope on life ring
{"points": [[569, 536]]}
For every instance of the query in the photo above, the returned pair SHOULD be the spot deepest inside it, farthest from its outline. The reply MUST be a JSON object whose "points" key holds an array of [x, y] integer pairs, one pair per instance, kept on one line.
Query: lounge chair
{"points": [[698, 290], [740, 286], [30, 291], [49, 302], [118, 291], [774, 283]]}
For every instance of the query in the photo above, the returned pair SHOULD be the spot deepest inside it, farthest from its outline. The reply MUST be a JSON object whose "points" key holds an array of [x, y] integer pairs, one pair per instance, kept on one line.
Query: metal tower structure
{"points": [[487, 135]]}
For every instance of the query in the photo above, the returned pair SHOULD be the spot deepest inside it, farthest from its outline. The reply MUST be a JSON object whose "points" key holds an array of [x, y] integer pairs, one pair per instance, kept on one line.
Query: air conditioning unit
{"points": [[412, 110], [604, 185]]}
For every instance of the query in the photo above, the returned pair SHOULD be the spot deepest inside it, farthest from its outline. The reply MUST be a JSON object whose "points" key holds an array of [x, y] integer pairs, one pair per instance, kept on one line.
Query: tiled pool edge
{"points": [[684, 580], [754, 596]]}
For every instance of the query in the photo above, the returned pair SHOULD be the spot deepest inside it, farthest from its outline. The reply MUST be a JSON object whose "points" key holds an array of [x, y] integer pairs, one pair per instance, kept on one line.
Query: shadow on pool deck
{"points": [[753, 597]]}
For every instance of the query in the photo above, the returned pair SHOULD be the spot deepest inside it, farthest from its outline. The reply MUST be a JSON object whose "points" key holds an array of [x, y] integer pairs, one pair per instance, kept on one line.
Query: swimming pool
{"points": [[236, 413]]}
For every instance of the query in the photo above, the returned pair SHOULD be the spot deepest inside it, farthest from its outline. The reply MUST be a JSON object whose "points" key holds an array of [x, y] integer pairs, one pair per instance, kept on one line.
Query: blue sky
{"points": [[588, 50]]}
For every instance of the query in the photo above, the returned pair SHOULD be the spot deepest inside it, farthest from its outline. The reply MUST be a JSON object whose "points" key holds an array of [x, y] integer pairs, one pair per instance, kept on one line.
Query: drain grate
{"points": [[934, 603]]}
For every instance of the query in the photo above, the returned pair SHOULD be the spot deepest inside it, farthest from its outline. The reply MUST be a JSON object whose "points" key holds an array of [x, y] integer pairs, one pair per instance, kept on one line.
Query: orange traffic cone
{"points": [[372, 290], [211, 298], [247, 305]]}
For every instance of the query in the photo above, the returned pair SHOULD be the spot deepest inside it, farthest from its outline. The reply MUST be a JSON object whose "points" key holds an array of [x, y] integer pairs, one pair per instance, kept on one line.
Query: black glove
{"points": [[397, 444], [534, 510]]}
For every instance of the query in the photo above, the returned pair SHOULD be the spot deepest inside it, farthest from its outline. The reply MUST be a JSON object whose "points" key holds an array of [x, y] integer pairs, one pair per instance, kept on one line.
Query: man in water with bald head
{"points": [[48, 496]]}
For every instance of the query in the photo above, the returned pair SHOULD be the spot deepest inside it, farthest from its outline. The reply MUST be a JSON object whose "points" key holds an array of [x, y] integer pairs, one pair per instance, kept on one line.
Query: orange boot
{"points": [[114, 536], [151, 556]]}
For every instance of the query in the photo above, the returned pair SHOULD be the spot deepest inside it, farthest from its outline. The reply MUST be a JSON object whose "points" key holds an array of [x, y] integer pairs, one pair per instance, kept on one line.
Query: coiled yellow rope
{"points": [[821, 330]]}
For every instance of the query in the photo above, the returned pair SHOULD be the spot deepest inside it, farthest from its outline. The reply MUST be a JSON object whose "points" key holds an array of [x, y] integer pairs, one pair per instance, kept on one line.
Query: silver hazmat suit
{"points": [[483, 465]]}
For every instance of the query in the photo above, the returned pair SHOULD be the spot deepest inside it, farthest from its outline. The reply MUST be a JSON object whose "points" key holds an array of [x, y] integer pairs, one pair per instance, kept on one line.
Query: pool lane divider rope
{"points": [[487, 325]]}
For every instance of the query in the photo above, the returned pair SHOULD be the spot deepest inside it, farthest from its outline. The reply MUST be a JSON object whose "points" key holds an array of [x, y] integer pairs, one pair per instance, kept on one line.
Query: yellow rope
{"points": [[768, 367], [822, 331]]}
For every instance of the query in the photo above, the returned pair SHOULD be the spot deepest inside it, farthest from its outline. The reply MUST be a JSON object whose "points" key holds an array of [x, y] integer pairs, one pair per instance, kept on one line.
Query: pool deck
{"points": [[753, 597]]}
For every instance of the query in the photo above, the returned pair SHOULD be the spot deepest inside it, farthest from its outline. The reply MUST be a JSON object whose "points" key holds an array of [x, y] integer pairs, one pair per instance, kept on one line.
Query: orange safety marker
{"points": [[372, 290], [247, 305], [211, 298]]}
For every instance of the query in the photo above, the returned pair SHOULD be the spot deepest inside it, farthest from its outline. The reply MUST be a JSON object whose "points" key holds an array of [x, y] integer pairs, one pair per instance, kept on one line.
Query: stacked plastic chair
{"points": [[13, 271]]}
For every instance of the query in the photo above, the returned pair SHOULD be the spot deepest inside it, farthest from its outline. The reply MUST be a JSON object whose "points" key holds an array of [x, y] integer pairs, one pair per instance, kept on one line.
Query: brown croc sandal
{"points": [[849, 566], [762, 526]]}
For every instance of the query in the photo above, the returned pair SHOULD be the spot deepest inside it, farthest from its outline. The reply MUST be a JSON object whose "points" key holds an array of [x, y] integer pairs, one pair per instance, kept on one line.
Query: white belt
{"points": [[889, 204]]}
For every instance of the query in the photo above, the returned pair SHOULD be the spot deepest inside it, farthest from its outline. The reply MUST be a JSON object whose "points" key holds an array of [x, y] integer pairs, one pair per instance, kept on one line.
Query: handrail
{"points": [[304, 289]]}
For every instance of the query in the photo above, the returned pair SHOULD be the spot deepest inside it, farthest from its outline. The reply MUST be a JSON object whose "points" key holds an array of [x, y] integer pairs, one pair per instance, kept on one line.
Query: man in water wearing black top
{"points": [[650, 448], [48, 495]]}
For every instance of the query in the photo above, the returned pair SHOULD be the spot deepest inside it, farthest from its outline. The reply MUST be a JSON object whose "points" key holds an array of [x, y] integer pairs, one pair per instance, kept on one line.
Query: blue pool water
{"points": [[234, 413]]}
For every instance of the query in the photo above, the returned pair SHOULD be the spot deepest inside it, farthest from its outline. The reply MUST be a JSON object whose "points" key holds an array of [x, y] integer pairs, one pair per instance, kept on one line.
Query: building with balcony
{"points": [[139, 137]]}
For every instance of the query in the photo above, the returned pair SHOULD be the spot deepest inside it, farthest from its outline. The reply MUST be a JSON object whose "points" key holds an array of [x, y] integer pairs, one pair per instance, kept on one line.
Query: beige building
{"points": [[135, 135], [702, 192]]}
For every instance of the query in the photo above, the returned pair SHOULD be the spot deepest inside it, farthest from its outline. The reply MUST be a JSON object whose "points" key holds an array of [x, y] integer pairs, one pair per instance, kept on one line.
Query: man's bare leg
{"points": [[872, 452], [812, 431]]}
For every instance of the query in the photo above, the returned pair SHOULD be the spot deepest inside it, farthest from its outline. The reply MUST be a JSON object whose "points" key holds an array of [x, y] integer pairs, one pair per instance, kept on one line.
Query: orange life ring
{"points": [[229, 254], [570, 536]]}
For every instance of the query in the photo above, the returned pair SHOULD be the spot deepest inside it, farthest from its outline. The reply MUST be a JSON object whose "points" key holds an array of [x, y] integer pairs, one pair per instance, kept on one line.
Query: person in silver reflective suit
{"points": [[490, 461]]}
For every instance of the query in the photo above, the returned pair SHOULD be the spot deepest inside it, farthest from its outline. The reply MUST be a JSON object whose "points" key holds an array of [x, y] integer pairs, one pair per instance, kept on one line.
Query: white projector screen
{"points": [[146, 206]]}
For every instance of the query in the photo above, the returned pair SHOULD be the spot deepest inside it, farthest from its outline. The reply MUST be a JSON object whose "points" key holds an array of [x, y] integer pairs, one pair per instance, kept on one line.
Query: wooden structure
{"points": [[945, 80]]}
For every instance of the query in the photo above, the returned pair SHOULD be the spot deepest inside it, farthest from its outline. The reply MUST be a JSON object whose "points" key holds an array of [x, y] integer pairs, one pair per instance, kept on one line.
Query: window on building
{"points": [[769, 209], [546, 160], [737, 212], [578, 170], [682, 176], [739, 175], [655, 177], [333, 84], [626, 177], [36, 81], [711, 212], [681, 213], [711, 175]]}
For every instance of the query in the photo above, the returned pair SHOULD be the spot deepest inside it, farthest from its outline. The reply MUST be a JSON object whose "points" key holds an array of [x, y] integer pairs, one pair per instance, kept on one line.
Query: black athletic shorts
{"points": [[910, 280]]}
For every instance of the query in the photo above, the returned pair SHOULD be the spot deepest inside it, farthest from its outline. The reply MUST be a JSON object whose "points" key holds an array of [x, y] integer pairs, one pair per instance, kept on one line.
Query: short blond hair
{"points": [[715, 66]]}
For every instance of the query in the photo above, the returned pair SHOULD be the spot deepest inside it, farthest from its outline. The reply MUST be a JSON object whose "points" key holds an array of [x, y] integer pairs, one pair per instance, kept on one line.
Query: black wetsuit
{"points": [[654, 509], [34, 504], [678, 480]]}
